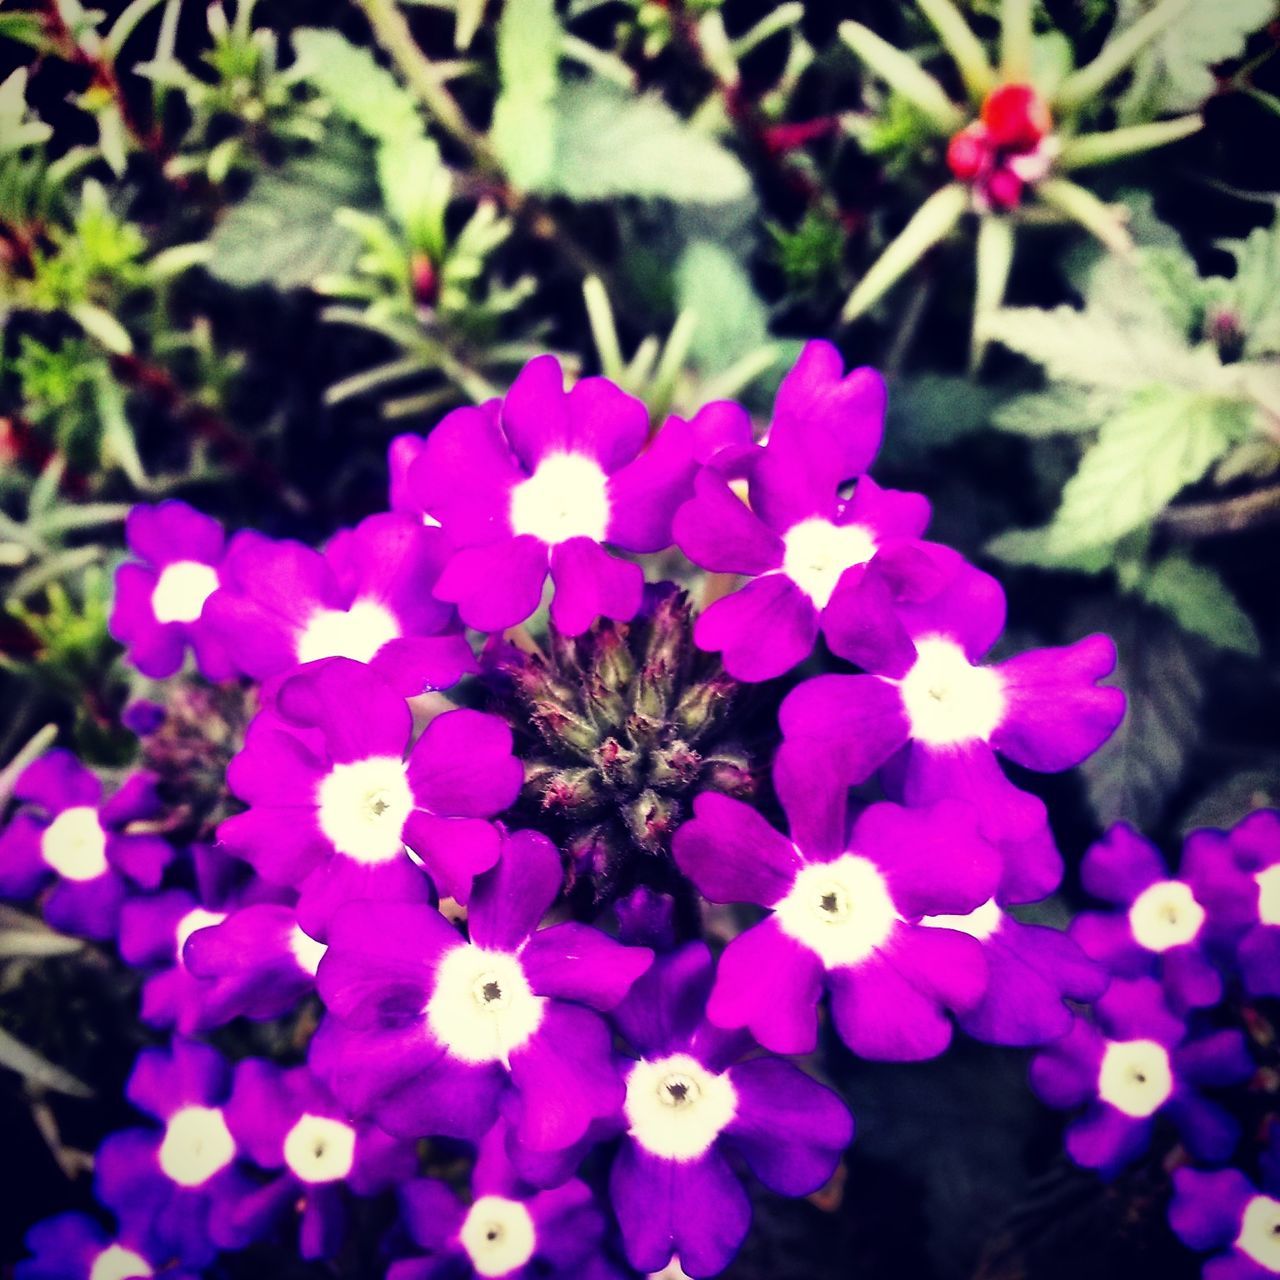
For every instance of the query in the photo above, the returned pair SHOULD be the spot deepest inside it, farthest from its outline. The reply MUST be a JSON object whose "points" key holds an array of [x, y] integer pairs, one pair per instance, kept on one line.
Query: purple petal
{"points": [[497, 585], [644, 493], [666, 1004], [57, 781], [1065, 1073], [732, 854], [1104, 1138], [880, 1015], [509, 901], [1121, 865], [719, 532], [453, 850], [572, 961], [1208, 1132], [414, 664], [851, 724], [359, 714], [1207, 1208], [462, 766], [763, 629], [591, 583], [969, 609], [340, 880], [431, 1212]]}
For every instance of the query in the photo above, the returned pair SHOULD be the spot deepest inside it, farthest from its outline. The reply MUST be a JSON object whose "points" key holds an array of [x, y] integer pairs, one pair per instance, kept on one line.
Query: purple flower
{"points": [[73, 1246], [538, 483], [287, 1123], [1135, 1064], [333, 801], [843, 902], [434, 1034], [691, 1104], [1166, 925], [1225, 1214], [402, 453], [507, 1230], [66, 836], [1031, 970], [805, 547], [257, 963], [367, 597], [935, 718], [177, 1188], [160, 598]]}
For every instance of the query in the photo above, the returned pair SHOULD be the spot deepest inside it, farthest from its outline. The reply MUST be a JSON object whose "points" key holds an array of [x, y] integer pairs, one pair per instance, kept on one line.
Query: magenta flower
{"points": [[1166, 926], [935, 719], [73, 1246], [66, 838], [691, 1105], [1135, 1064], [160, 597], [508, 1229], [288, 1125], [538, 483], [1225, 1214], [367, 597], [333, 802], [434, 1034], [177, 1188], [842, 903]]}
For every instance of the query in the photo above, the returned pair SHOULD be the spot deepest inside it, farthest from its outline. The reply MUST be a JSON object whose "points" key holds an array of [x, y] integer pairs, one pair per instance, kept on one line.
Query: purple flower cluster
{"points": [[381, 892]]}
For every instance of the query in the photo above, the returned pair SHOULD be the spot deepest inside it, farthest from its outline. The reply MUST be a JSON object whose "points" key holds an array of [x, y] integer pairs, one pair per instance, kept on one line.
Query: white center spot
{"points": [[1259, 1237], [498, 1235], [75, 845], [1269, 895], [181, 590], [306, 950], [362, 807], [356, 633], [116, 1262], [1165, 915], [196, 918], [676, 1108], [947, 699], [483, 1008], [1135, 1077], [841, 910], [197, 1144], [818, 552], [566, 497], [981, 923], [320, 1149]]}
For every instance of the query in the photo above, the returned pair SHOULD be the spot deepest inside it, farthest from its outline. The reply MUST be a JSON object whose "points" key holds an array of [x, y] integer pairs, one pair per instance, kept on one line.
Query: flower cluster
{"points": [[472, 879]]}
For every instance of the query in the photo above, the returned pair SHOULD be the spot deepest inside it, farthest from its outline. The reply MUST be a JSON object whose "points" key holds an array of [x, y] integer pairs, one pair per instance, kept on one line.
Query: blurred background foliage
{"points": [[244, 244]]}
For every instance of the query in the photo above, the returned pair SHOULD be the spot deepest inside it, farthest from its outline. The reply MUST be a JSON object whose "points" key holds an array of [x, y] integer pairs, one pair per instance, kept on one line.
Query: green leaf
{"points": [[1174, 74], [37, 1070], [732, 321], [17, 130], [361, 91], [609, 144], [1138, 768], [1163, 440], [931, 411], [1253, 291], [1200, 602], [284, 233], [1033, 548], [1171, 278], [416, 188], [1236, 798], [524, 118], [1061, 409]]}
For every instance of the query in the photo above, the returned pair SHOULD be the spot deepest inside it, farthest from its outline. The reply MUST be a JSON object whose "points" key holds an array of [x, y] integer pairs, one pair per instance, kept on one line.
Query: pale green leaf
{"points": [[1200, 602], [524, 118], [1254, 291], [731, 319], [37, 1070], [1061, 409], [1163, 440], [1033, 548], [17, 129], [416, 188]]}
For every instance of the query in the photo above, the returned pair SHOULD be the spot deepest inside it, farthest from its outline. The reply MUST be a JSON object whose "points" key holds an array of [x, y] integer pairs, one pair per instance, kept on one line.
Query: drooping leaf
{"points": [[1137, 769], [1200, 602], [524, 117], [609, 144], [731, 319], [1164, 439]]}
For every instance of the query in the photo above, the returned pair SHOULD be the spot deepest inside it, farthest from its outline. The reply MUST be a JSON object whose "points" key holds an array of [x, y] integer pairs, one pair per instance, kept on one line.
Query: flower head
{"points": [[1225, 1214], [74, 1246]]}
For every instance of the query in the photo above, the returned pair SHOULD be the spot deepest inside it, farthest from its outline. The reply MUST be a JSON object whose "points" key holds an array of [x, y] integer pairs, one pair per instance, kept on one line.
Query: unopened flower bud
{"points": [[1004, 189], [675, 766], [968, 153], [646, 918], [650, 819], [704, 706], [1016, 116], [426, 282]]}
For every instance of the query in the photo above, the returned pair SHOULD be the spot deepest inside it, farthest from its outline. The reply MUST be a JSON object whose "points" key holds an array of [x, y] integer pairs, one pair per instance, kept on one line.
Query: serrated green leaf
{"points": [[1254, 291], [524, 117], [1163, 440], [283, 233], [1033, 548], [1171, 277], [361, 91], [416, 188], [1200, 602], [731, 319], [608, 143], [1174, 74], [1061, 409], [1137, 769]]}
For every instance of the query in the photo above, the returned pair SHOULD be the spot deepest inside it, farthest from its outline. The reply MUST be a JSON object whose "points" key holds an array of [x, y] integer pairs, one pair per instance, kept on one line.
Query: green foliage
{"points": [[1200, 602], [732, 323], [524, 118]]}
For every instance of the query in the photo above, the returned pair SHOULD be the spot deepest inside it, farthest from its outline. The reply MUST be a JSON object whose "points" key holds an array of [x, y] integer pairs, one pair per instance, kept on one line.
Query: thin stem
{"points": [[1229, 515]]}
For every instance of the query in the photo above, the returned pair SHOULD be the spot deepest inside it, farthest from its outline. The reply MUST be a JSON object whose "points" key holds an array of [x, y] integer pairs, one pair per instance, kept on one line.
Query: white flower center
{"points": [[363, 805], [197, 1144], [947, 699], [319, 1149], [1165, 915], [841, 910], [1269, 895], [482, 1009], [116, 1262], [566, 497], [306, 950], [980, 923], [676, 1108], [196, 918], [75, 845], [818, 552], [181, 590], [1135, 1077], [1259, 1237], [356, 633], [498, 1235]]}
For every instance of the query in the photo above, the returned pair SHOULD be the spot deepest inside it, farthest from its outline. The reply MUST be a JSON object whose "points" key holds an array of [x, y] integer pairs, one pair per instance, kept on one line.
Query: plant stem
{"points": [[1229, 515]]}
